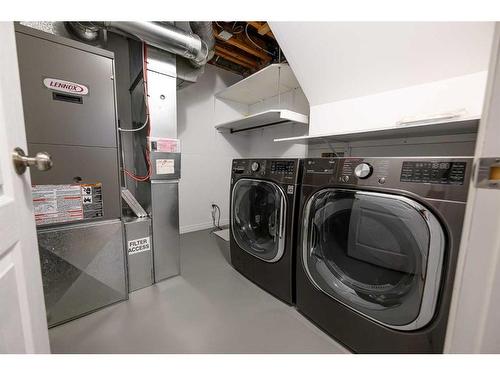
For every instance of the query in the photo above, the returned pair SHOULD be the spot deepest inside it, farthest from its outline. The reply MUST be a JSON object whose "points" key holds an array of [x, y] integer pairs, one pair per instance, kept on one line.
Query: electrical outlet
{"points": [[215, 213], [213, 209]]}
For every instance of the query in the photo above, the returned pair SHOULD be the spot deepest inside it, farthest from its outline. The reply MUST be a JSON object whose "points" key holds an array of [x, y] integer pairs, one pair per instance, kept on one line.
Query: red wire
{"points": [[146, 101]]}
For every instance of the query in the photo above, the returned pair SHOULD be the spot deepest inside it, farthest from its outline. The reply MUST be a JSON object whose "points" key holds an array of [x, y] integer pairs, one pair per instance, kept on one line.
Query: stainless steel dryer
{"points": [[378, 247], [263, 207]]}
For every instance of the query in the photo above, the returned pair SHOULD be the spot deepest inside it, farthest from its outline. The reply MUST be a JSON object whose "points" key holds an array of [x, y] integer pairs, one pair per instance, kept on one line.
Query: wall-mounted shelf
{"points": [[267, 118], [272, 96], [261, 85], [464, 126]]}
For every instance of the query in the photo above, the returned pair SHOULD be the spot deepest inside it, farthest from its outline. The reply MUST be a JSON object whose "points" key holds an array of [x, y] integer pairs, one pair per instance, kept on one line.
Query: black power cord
{"points": [[216, 212]]}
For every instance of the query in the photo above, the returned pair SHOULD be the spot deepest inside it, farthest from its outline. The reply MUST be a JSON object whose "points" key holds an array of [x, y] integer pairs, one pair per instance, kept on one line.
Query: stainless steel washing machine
{"points": [[264, 199], [378, 247]]}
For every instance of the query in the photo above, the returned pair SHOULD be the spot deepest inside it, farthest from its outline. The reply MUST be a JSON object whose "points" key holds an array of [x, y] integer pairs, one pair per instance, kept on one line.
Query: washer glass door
{"points": [[379, 254], [258, 218]]}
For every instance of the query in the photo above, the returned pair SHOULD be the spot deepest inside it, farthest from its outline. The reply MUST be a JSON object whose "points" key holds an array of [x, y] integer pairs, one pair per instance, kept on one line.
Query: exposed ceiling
{"points": [[244, 47]]}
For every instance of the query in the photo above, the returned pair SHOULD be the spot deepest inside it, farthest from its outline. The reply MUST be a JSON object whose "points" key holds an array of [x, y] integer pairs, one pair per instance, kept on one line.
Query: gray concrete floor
{"points": [[211, 308]]}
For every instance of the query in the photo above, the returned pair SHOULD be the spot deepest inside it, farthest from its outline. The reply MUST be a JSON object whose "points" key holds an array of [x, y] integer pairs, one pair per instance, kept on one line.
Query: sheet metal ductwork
{"points": [[197, 47], [205, 32], [85, 31]]}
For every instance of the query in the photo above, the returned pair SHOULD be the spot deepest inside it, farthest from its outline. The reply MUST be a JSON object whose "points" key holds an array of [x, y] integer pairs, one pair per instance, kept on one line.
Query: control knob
{"points": [[255, 166], [363, 170]]}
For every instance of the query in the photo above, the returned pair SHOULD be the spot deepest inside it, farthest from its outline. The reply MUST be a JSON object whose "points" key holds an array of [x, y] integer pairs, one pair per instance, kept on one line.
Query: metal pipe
{"points": [[162, 35], [86, 31], [167, 37], [205, 32]]}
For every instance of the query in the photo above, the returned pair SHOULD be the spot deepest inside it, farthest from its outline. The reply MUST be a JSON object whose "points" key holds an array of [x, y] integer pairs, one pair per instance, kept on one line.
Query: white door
{"points": [[474, 323], [23, 324]]}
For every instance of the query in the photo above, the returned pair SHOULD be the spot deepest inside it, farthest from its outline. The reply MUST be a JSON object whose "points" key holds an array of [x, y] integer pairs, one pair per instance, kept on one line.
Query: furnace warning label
{"points": [[65, 203], [92, 201]]}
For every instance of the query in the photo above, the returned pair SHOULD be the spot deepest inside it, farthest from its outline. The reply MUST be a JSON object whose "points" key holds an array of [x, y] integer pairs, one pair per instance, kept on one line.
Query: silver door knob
{"points": [[42, 161]]}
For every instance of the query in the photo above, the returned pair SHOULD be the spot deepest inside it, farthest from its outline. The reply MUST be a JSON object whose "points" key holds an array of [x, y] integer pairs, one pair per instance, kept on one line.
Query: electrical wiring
{"points": [[237, 29], [255, 44], [216, 223], [148, 120], [136, 129]]}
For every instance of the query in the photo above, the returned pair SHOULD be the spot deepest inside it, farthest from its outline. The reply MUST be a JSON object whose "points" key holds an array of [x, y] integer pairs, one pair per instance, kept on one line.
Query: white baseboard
{"points": [[201, 226]]}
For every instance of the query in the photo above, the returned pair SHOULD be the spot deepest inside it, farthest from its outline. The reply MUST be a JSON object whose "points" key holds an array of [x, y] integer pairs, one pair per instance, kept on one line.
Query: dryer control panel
{"points": [[432, 177], [433, 172]]}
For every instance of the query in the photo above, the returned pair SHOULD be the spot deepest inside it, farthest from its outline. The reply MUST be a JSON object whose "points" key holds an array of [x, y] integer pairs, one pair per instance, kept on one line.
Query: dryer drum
{"points": [[371, 252]]}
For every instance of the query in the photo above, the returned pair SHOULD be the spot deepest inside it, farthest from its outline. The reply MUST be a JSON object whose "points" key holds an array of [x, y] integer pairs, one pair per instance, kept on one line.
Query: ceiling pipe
{"points": [[86, 31], [205, 31], [198, 49]]}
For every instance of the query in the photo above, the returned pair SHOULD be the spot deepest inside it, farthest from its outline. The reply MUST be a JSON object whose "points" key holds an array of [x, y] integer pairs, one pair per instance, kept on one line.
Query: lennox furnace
{"points": [[89, 243]]}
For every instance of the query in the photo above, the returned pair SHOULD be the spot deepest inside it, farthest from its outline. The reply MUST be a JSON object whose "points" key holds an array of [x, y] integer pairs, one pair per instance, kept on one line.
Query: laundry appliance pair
{"points": [[366, 248]]}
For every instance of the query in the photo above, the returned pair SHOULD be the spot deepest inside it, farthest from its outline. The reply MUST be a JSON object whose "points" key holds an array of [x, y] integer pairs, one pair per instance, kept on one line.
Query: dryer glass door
{"points": [[258, 218], [379, 254]]}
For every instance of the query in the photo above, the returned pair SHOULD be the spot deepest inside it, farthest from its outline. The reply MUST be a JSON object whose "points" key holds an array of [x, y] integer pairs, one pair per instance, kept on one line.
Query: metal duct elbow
{"points": [[197, 47], [167, 37], [205, 32], [86, 31]]}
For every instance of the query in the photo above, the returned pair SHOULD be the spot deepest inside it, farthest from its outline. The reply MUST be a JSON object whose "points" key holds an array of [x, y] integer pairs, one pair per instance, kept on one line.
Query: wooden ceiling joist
{"points": [[245, 47], [262, 28], [237, 56], [235, 60]]}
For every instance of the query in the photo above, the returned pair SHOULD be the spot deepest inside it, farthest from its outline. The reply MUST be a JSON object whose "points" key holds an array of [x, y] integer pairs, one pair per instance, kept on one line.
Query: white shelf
{"points": [[266, 118], [261, 85], [464, 126], [259, 101]]}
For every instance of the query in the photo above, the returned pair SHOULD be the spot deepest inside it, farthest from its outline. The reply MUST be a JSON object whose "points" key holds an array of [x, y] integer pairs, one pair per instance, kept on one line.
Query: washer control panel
{"points": [[284, 167], [433, 172], [279, 170]]}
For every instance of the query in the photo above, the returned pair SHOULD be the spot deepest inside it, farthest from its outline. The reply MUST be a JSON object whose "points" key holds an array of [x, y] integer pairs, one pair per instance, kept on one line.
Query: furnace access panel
{"points": [[69, 110]]}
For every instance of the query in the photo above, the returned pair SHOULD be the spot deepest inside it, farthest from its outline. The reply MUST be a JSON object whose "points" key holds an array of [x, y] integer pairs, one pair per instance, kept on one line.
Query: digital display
{"points": [[450, 173], [282, 167]]}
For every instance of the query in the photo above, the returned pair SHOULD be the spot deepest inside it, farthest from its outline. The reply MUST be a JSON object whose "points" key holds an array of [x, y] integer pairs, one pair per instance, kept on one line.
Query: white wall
{"points": [[357, 74], [260, 142], [441, 145], [206, 154], [462, 95]]}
